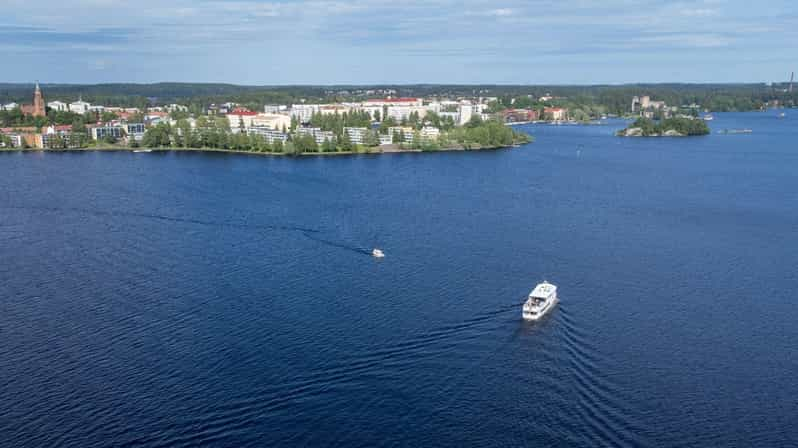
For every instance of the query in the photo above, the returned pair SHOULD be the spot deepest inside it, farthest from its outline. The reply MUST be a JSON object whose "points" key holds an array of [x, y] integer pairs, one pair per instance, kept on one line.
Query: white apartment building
{"points": [[79, 107], [273, 121], [58, 106], [317, 134], [386, 139], [270, 135], [176, 107], [303, 112], [356, 135], [274, 108], [405, 131], [430, 133], [239, 119]]}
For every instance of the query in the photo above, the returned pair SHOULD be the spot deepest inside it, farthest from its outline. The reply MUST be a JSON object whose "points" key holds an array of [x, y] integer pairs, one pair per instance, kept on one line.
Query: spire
{"points": [[37, 86]]}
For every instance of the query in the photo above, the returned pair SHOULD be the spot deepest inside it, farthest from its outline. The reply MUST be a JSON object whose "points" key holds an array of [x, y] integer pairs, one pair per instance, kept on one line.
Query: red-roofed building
{"points": [[520, 115], [241, 119]]}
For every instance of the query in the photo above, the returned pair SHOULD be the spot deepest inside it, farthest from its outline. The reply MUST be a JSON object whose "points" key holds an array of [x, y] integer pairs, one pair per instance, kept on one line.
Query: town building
{"points": [[273, 121], [405, 133], [240, 119], [176, 108], [135, 131], [303, 112], [395, 102], [16, 138], [386, 139], [103, 132], [54, 137], [356, 135], [79, 107], [270, 135], [318, 135], [555, 113], [430, 133], [37, 109], [274, 108], [520, 115], [58, 106]]}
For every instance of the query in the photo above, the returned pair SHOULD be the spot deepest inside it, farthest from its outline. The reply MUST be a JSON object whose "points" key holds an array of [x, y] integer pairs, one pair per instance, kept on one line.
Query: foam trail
{"points": [[340, 245]]}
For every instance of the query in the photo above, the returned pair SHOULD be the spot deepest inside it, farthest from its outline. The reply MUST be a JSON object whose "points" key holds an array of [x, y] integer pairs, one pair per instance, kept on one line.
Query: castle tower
{"points": [[38, 102]]}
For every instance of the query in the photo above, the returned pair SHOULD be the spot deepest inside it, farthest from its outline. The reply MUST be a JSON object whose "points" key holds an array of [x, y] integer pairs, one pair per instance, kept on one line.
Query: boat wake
{"points": [[606, 416], [338, 244], [247, 408]]}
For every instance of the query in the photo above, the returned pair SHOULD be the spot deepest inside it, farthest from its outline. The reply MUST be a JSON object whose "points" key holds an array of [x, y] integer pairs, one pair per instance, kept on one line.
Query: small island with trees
{"points": [[669, 127]]}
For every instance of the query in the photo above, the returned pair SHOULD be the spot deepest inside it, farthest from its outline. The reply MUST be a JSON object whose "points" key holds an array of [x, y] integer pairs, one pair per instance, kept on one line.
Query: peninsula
{"points": [[370, 125]]}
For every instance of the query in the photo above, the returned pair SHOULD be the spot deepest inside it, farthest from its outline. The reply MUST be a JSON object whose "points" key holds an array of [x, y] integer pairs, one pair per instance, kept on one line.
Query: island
{"points": [[669, 127]]}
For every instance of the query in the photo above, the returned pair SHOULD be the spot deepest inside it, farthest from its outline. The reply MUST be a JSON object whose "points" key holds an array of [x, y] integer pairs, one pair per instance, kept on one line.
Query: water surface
{"points": [[206, 299]]}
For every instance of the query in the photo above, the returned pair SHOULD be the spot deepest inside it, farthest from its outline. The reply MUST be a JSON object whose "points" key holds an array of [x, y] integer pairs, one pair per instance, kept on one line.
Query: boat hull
{"points": [[543, 312]]}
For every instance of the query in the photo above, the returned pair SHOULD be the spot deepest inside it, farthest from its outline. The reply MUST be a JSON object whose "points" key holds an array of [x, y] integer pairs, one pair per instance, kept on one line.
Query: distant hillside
{"points": [[614, 98]]}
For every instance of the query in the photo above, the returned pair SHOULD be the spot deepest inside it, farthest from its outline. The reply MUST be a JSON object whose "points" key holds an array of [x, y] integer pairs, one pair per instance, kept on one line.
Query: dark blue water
{"points": [[203, 299]]}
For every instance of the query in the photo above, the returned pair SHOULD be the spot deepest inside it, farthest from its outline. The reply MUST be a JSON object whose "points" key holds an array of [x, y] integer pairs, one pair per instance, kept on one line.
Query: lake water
{"points": [[204, 299]]}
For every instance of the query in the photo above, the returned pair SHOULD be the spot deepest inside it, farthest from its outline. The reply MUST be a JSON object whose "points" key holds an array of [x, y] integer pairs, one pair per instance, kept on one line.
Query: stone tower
{"points": [[38, 102]]}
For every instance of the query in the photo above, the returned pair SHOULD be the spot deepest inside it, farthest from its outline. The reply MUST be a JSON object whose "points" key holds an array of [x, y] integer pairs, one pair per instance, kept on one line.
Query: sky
{"points": [[397, 41]]}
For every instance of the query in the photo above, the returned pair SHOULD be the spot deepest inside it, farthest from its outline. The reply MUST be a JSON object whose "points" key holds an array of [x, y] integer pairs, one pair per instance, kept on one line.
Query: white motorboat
{"points": [[376, 253], [540, 301]]}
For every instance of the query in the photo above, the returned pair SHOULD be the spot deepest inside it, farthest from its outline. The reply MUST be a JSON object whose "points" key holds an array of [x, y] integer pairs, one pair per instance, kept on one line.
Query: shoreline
{"points": [[268, 154]]}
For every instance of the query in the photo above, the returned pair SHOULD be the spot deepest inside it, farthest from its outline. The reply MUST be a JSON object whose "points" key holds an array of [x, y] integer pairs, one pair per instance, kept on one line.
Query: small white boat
{"points": [[142, 150], [709, 117], [782, 115], [376, 253], [541, 300]]}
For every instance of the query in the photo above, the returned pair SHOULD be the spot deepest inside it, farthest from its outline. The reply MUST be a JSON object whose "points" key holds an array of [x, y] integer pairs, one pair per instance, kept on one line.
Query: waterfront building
{"points": [[107, 131], [430, 133], [54, 137], [16, 138], [406, 133], [520, 115], [135, 131], [270, 135], [318, 135], [356, 135], [555, 113], [386, 139]]}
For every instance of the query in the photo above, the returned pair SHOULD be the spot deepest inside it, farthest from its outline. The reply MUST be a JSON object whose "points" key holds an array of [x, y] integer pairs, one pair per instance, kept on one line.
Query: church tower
{"points": [[38, 102]]}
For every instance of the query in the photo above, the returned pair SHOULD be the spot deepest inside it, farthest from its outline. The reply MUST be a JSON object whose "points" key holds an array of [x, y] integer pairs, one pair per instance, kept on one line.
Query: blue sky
{"points": [[406, 41]]}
